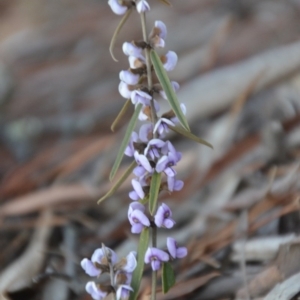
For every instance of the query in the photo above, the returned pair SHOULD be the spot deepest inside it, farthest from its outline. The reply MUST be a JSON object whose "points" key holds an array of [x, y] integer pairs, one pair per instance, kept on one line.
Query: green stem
{"points": [[154, 120], [148, 65], [154, 273]]}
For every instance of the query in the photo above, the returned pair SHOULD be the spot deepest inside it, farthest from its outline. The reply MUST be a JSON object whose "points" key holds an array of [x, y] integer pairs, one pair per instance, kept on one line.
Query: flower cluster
{"points": [[152, 153], [105, 260]]}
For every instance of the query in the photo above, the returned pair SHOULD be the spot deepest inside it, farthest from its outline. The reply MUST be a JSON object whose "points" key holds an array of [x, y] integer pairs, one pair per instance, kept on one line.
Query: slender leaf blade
{"points": [[125, 141], [138, 272], [190, 136], [118, 183], [118, 29], [120, 115], [167, 277], [154, 191], [166, 85]]}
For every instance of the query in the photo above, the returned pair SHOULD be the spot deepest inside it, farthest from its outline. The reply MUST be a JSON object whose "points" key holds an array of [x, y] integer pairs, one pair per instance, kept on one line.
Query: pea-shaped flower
{"points": [[163, 217], [142, 6], [95, 291], [174, 250], [137, 219], [155, 256]]}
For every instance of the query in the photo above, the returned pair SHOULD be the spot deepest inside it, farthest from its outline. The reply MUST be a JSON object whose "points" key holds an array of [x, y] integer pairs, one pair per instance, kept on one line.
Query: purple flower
{"points": [[129, 151], [166, 163], [169, 61], [95, 291], [123, 292], [136, 62], [135, 206], [161, 29], [116, 7], [100, 256], [146, 132], [142, 6], [131, 262], [162, 126], [138, 221], [174, 250], [138, 192], [145, 113], [124, 90], [155, 256], [130, 49], [140, 97], [128, 77], [143, 164], [90, 268], [174, 184], [153, 148], [163, 216]]}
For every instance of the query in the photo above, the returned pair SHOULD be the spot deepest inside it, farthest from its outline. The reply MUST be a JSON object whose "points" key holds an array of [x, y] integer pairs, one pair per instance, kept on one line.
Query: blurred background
{"points": [[238, 68]]}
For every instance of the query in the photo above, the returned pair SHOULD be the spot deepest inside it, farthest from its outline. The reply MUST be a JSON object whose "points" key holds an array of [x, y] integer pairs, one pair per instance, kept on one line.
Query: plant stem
{"points": [[148, 65], [154, 120], [154, 273]]}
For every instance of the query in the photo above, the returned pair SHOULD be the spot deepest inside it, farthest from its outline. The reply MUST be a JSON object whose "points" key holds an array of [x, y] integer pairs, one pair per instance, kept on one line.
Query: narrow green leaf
{"points": [[154, 190], [120, 115], [138, 272], [166, 85], [190, 136], [118, 29], [167, 277], [118, 183], [125, 141]]}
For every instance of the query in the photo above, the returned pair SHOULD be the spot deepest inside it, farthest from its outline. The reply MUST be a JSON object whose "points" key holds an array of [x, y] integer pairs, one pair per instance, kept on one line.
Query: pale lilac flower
{"points": [[174, 250], [175, 86], [89, 268], [136, 62], [130, 49], [153, 148], [116, 7], [161, 29], [155, 256], [138, 192], [124, 90], [138, 96], [163, 217], [123, 292], [100, 256], [142, 6], [174, 184], [166, 163], [138, 221], [128, 77], [162, 126], [158, 42], [146, 132], [129, 151], [95, 291], [135, 206], [143, 161], [131, 262], [144, 114], [169, 60]]}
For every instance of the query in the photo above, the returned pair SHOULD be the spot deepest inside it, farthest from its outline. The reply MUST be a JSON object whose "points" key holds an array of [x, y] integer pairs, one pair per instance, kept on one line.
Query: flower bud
{"points": [[142, 6]]}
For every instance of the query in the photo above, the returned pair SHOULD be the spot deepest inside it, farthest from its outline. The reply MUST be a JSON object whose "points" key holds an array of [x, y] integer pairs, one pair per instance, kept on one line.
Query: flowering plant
{"points": [[154, 160]]}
